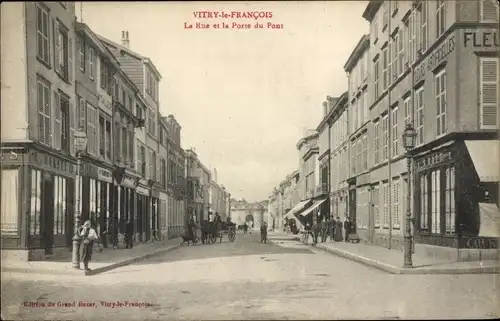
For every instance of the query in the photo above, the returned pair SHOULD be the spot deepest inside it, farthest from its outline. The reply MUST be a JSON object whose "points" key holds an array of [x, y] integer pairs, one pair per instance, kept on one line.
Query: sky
{"points": [[242, 96]]}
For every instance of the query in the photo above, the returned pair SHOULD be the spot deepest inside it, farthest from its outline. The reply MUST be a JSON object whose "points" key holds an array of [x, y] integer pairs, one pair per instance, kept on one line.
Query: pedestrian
{"points": [[331, 228], [347, 228], [245, 228], [324, 230], [89, 236], [338, 230], [263, 232], [308, 232], [129, 234], [316, 229]]}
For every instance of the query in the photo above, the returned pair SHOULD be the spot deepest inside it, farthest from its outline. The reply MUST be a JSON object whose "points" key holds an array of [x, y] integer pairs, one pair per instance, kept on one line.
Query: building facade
{"points": [[433, 65], [198, 187], [217, 197]]}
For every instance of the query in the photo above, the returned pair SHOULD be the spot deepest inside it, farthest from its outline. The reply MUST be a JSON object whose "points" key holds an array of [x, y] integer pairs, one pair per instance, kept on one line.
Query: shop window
{"points": [[440, 18], [59, 205], [376, 207], [36, 200], [10, 202], [424, 212], [450, 200]]}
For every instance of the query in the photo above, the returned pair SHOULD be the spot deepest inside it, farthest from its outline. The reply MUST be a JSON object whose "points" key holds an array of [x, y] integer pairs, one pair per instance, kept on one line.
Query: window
{"points": [[359, 154], [401, 53], [62, 121], [36, 202], [82, 119], [424, 214], [138, 111], [440, 18], [376, 207], [386, 206], [91, 63], [354, 116], [163, 170], [385, 15], [130, 103], [102, 137], [81, 46], [10, 206], [412, 38], [489, 11], [42, 23], [365, 106], [376, 141], [385, 137], [124, 97], [441, 103], [376, 76], [489, 71], [449, 176], [395, 58], [103, 74], [124, 140], [395, 132], [395, 205], [116, 144], [385, 65], [108, 139], [375, 29], [61, 50], [44, 111], [151, 122], [424, 30], [91, 130], [419, 117], [59, 205], [153, 165], [436, 201], [131, 147], [408, 110], [365, 152], [142, 156], [353, 158]]}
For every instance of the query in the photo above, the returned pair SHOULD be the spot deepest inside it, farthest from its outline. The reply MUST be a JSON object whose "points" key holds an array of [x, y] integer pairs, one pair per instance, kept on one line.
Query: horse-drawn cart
{"points": [[211, 231]]}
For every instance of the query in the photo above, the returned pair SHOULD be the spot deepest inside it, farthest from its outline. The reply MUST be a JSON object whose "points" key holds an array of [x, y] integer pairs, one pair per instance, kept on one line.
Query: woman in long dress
{"points": [[338, 230]]}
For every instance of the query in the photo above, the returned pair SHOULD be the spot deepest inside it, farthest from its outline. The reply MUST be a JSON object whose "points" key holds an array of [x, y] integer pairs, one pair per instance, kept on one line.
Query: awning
{"points": [[484, 155], [296, 208], [313, 207], [489, 220]]}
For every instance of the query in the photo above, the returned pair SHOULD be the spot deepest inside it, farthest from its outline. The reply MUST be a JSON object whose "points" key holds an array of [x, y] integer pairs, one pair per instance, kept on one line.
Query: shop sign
{"points": [[481, 39], [104, 175], [142, 190], [128, 182], [434, 159], [434, 59]]}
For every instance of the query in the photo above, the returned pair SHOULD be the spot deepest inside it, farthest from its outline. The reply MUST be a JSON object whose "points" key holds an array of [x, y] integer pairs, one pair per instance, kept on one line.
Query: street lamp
{"points": [[409, 136], [80, 140]]}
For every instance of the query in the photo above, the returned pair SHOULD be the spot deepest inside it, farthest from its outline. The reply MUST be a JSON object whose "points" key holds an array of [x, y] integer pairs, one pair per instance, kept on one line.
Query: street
{"points": [[248, 280]]}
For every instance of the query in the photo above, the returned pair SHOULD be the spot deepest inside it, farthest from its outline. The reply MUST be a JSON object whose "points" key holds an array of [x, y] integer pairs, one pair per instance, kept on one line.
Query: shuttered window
{"points": [[395, 132], [489, 11], [441, 126], [91, 130], [42, 23], [57, 121], [385, 137], [408, 110], [376, 142], [376, 206], [386, 206], [81, 114], [395, 204], [44, 113], [489, 71], [419, 116]]}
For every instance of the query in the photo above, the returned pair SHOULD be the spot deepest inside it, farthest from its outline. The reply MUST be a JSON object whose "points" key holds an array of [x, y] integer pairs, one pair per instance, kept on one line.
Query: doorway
{"points": [[48, 213]]}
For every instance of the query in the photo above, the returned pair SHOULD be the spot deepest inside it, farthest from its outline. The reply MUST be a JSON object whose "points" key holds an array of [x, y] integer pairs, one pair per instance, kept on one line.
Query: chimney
{"points": [[125, 39], [325, 108]]}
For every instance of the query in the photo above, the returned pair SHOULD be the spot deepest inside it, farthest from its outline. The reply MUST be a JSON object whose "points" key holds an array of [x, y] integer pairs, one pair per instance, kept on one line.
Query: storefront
{"points": [[142, 217], [155, 218], [38, 218], [452, 180], [162, 209]]}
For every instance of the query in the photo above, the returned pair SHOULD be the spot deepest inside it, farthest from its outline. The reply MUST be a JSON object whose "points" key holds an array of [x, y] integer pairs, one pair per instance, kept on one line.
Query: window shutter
{"points": [[47, 119], [81, 114], [94, 65], [57, 121], [72, 115], [89, 129], [57, 47], [489, 11], [70, 59], [489, 93]]}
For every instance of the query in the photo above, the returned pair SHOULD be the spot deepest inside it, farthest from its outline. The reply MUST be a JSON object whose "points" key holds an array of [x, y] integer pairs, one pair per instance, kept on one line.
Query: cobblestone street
{"points": [[249, 280]]}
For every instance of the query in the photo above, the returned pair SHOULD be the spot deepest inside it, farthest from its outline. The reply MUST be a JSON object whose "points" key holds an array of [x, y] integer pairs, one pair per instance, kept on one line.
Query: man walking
{"points": [[129, 232], [89, 236], [324, 230], [347, 228], [331, 228]]}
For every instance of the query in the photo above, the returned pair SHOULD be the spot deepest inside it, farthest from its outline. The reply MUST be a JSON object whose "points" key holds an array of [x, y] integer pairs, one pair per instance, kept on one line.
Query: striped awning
{"points": [[297, 208], [485, 156], [313, 207]]}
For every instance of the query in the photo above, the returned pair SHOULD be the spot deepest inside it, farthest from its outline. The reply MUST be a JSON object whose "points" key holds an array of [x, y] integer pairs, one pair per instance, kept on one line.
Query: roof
{"points": [[315, 134], [371, 9], [83, 28], [361, 47], [134, 54]]}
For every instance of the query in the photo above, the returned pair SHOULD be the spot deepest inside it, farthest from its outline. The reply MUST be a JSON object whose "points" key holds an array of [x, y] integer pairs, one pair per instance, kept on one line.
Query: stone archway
{"points": [[250, 219]]}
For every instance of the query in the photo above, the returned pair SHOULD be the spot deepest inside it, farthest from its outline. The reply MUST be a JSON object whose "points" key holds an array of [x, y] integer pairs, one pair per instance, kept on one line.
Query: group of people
{"points": [[334, 228]]}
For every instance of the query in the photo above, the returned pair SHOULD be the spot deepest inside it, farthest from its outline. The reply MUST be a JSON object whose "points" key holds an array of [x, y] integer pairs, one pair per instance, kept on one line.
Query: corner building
{"points": [[434, 64]]}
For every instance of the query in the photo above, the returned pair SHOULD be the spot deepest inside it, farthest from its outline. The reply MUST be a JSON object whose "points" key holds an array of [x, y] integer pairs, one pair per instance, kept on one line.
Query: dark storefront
{"points": [[39, 214], [142, 217], [449, 188], [155, 218]]}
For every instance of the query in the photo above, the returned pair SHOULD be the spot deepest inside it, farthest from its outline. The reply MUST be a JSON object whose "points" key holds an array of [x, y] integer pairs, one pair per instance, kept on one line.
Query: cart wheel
{"points": [[231, 235]]}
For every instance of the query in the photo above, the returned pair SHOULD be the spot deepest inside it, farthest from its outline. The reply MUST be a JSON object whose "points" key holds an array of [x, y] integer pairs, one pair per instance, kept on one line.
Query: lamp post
{"points": [[80, 140], [409, 136]]}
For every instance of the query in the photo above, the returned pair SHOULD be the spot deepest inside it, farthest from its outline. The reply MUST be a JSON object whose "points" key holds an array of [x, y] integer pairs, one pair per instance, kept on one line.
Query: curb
{"points": [[397, 270], [116, 265], [283, 238], [92, 272]]}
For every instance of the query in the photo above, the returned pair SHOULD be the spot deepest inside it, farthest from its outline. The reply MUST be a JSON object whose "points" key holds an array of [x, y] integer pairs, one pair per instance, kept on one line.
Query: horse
{"points": [[189, 235]]}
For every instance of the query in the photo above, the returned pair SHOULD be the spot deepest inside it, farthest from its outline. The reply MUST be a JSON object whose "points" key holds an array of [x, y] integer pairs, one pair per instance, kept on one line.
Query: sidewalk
{"points": [[391, 261], [101, 262], [282, 236]]}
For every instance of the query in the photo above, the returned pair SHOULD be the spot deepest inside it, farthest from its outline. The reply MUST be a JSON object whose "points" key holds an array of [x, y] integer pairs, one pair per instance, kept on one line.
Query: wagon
{"points": [[222, 229]]}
